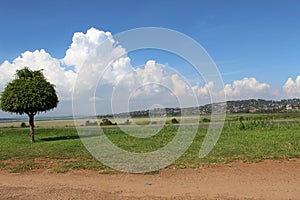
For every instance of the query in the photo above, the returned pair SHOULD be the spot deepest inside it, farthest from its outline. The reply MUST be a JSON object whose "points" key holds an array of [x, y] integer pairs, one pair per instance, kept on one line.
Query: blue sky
{"points": [[257, 39], [245, 38]]}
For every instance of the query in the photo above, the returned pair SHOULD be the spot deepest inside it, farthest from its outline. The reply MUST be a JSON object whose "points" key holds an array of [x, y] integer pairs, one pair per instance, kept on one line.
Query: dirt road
{"points": [[264, 180]]}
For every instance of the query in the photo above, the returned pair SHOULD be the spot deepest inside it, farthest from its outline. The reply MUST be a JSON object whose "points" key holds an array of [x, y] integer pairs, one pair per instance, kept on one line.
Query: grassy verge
{"points": [[60, 149]]}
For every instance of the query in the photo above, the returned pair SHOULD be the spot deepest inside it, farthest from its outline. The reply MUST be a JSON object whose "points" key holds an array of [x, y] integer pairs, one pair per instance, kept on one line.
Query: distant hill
{"points": [[262, 106], [239, 106]]}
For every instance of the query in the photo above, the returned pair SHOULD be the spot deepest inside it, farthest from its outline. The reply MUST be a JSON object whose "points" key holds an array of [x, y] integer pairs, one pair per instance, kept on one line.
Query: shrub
{"points": [[107, 122], [206, 120], [23, 125], [88, 123], [127, 122], [174, 121]]}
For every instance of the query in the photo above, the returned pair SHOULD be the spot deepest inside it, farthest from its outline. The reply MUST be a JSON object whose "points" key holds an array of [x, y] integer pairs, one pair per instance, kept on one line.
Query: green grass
{"points": [[60, 146], [247, 145], [61, 150]]}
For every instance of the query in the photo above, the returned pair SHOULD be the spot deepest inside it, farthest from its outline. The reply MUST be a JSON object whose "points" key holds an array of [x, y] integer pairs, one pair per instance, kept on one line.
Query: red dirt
{"points": [[264, 180]]}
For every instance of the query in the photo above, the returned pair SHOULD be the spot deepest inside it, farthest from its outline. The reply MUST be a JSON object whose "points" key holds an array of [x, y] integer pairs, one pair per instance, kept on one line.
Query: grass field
{"points": [[63, 123], [59, 148]]}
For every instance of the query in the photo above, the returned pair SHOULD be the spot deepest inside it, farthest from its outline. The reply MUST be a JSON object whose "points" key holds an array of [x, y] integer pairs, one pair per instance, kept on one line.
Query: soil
{"points": [[263, 180]]}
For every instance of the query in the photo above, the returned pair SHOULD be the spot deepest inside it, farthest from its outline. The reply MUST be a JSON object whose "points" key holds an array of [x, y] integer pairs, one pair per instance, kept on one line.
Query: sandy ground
{"points": [[264, 180]]}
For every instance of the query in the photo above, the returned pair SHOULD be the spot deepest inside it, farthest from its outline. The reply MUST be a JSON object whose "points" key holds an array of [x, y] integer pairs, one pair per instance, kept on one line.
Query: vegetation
{"points": [[60, 149], [29, 93], [205, 120], [23, 125], [174, 121], [107, 122], [127, 122], [89, 123]]}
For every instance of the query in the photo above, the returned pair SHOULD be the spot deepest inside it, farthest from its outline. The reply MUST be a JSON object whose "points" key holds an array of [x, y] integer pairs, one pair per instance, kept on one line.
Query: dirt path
{"points": [[265, 180]]}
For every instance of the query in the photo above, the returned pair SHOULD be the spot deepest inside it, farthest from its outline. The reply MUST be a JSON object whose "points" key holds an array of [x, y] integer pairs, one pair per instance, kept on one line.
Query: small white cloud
{"points": [[292, 88], [205, 91], [247, 88]]}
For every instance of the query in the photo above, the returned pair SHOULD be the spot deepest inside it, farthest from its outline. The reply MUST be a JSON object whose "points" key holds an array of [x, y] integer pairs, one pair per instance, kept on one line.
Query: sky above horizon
{"points": [[254, 44]]}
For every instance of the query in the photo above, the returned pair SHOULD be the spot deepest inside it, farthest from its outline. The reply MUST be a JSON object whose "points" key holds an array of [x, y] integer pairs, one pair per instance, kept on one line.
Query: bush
{"points": [[107, 122], [23, 125], [88, 123], [127, 122], [174, 121], [206, 120]]}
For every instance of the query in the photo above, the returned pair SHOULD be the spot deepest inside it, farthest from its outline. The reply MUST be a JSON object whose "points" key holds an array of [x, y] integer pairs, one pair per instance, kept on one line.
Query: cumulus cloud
{"points": [[247, 88], [54, 69], [97, 51], [205, 91], [40, 59], [83, 45], [292, 88], [152, 83], [155, 79]]}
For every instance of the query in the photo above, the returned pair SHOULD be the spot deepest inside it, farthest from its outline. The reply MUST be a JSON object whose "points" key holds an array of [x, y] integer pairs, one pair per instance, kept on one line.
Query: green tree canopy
{"points": [[29, 93]]}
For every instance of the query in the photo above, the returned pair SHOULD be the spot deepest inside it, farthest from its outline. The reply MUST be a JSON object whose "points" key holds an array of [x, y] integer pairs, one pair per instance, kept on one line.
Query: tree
{"points": [[29, 93]]}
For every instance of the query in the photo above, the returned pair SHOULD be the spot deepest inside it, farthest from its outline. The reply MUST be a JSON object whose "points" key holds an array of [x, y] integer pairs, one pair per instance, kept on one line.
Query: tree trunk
{"points": [[31, 123]]}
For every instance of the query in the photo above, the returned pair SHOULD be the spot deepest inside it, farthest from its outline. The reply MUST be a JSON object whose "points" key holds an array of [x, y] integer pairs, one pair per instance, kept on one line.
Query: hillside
{"points": [[239, 106]]}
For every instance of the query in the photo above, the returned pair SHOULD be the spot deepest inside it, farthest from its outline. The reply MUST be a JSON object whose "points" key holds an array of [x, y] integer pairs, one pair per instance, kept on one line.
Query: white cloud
{"points": [[247, 88], [155, 79], [83, 45], [117, 70], [152, 83], [101, 59], [37, 60], [205, 91], [292, 88]]}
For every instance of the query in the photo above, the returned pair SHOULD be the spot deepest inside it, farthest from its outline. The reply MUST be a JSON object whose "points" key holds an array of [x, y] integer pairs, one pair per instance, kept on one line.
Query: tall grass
{"points": [[254, 124]]}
